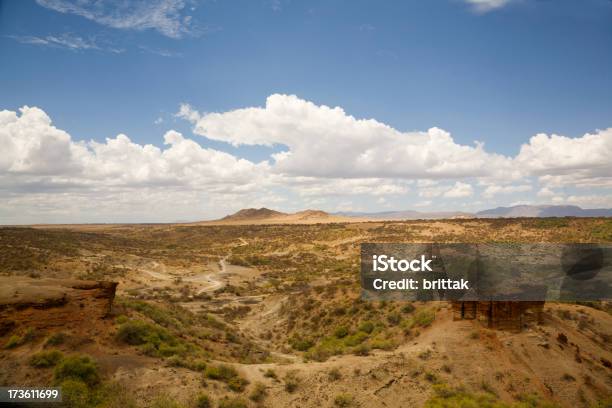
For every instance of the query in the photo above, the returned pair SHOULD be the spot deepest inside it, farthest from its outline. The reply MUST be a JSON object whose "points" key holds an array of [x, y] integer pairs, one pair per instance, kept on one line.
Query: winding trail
{"points": [[210, 281]]}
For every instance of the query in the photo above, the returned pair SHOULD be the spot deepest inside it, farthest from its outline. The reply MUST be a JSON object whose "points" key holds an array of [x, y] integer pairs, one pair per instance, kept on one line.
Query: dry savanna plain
{"points": [[240, 314]]}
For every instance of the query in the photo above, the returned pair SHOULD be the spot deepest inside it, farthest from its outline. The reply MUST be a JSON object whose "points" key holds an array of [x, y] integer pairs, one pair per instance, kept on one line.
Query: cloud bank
{"points": [[328, 159]]}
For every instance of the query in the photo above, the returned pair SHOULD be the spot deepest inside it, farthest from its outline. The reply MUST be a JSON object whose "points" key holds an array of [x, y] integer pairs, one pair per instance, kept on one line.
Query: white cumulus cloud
{"points": [[493, 190], [459, 190], [39, 159], [327, 142]]}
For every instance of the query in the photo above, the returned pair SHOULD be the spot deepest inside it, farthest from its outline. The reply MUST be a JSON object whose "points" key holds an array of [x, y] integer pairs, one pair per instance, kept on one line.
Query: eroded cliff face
{"points": [[50, 303]]}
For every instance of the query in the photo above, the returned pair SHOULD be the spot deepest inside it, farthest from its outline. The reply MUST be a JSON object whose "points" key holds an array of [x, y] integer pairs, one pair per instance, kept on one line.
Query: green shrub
{"points": [[164, 401], [81, 368], [121, 319], [18, 340], [408, 308], [329, 346], [341, 332], [270, 373], [56, 339], [75, 393], [382, 344], [424, 317], [203, 401], [394, 318], [367, 327], [221, 372], [300, 343], [136, 332], [344, 400], [446, 397], [13, 341], [362, 350], [237, 384], [228, 375], [355, 339], [334, 374], [292, 381], [115, 395], [604, 403], [197, 365], [533, 401], [232, 403], [157, 314], [154, 340], [259, 392], [44, 359], [431, 377]]}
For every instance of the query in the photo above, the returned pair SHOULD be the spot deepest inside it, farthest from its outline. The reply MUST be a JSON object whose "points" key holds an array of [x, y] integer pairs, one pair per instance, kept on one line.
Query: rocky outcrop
{"points": [[48, 303]]}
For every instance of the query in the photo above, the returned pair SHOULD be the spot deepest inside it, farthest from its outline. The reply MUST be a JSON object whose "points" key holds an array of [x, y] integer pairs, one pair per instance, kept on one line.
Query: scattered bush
{"points": [[408, 308], [488, 387], [366, 327], [292, 381], [270, 373], [300, 343], [232, 403], [334, 374], [16, 340], [568, 377], [203, 401], [237, 384], [81, 368], [259, 392], [75, 393], [155, 341], [56, 339], [382, 344], [164, 401], [604, 403], [45, 359], [121, 319], [355, 339], [341, 332], [221, 372], [431, 377], [394, 318], [228, 375], [116, 395], [344, 400], [362, 350], [424, 317]]}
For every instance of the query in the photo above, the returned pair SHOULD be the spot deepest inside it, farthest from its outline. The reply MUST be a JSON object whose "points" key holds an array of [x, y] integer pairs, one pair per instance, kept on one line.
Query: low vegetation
{"points": [[46, 359]]}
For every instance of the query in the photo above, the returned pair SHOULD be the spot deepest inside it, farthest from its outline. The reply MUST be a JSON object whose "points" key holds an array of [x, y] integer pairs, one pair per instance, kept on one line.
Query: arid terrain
{"points": [[251, 312]]}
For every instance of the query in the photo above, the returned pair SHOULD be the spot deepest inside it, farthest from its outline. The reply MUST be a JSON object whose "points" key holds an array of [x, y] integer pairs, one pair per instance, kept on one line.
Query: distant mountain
{"points": [[543, 211], [500, 212], [253, 214], [267, 216], [311, 214], [407, 215]]}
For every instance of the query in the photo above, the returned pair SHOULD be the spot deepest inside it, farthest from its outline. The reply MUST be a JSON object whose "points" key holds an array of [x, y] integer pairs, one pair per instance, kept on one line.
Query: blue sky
{"points": [[496, 71]]}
